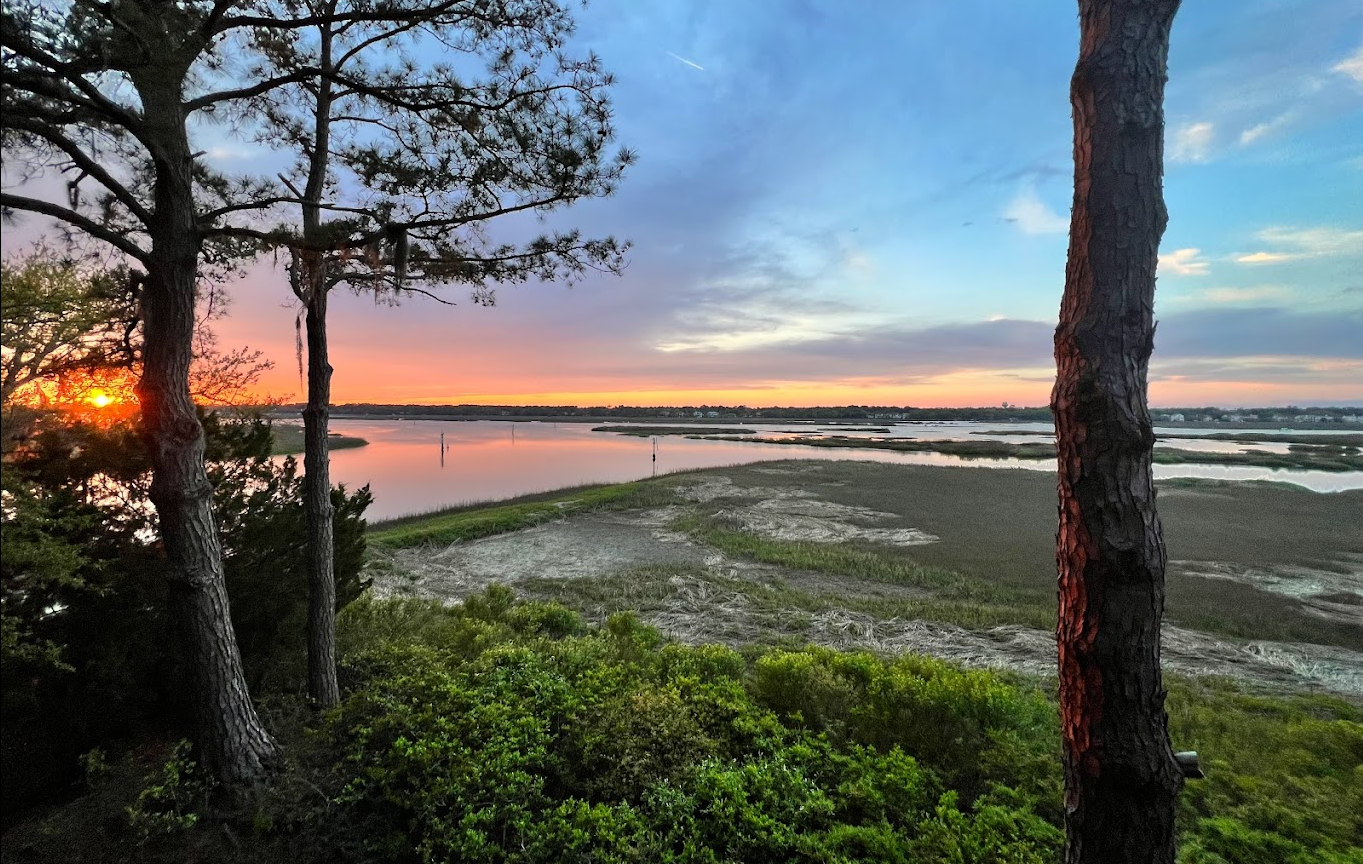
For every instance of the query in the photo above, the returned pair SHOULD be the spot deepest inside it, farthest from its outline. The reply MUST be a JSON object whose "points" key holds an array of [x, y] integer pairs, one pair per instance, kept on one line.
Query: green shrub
{"points": [[481, 733], [171, 801], [1283, 774], [969, 725]]}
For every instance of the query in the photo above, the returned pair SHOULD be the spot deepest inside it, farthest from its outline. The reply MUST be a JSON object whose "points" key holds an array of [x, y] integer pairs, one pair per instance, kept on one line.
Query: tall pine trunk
{"points": [[232, 740], [322, 684], [1121, 779]]}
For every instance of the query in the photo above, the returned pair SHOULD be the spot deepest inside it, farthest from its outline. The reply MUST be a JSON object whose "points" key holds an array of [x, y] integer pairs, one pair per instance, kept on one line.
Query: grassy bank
{"points": [[1323, 458], [450, 525], [288, 440]]}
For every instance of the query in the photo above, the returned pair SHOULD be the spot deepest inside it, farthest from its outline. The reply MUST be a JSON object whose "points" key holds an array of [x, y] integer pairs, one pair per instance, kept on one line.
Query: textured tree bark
{"points": [[1121, 779], [322, 684], [323, 687], [232, 740]]}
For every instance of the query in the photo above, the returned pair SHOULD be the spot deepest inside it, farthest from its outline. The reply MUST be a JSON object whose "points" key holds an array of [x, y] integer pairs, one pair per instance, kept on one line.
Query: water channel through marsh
{"points": [[485, 460]]}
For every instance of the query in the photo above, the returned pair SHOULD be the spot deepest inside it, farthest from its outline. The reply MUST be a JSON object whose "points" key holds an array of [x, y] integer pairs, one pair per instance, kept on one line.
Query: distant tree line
{"points": [[1011, 414], [845, 412]]}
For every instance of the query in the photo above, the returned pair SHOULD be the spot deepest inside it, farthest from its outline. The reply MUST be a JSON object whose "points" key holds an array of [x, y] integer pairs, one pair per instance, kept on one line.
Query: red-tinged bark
{"points": [[1121, 779]]}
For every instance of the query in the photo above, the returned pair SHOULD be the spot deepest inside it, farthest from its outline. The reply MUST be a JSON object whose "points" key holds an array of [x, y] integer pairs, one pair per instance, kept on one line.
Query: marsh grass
{"points": [[646, 430], [473, 521], [1245, 612], [953, 597], [1335, 458], [767, 612], [287, 440], [997, 528], [994, 563]]}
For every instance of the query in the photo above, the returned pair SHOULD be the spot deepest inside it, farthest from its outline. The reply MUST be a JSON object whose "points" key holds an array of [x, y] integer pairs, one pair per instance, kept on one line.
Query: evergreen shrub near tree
{"points": [[87, 660]]}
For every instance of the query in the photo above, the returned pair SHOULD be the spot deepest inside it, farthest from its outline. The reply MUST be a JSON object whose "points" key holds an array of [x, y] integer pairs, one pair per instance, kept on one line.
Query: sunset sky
{"points": [[867, 203]]}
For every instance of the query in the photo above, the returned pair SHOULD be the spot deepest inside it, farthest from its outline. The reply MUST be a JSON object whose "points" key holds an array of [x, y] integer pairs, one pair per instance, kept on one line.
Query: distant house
{"points": [[1177, 418], [700, 414], [711, 413]]}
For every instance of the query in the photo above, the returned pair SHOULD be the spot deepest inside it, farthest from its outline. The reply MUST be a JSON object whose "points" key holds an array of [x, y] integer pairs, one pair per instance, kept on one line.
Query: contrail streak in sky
{"points": [[684, 60]]}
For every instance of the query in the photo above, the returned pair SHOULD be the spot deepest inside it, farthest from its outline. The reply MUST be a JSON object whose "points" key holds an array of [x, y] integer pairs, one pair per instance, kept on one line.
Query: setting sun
{"points": [[100, 399]]}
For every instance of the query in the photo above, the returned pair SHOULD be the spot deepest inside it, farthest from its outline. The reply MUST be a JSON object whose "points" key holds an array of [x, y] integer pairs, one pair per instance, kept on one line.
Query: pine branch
{"points": [[71, 217]]}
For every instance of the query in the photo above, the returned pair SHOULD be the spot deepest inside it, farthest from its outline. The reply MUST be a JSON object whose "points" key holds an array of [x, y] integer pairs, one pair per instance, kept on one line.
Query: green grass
{"points": [[481, 520], [288, 440], [1284, 775]]}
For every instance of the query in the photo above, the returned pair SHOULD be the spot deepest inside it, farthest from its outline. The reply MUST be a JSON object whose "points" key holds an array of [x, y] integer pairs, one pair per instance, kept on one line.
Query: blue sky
{"points": [[868, 203]]}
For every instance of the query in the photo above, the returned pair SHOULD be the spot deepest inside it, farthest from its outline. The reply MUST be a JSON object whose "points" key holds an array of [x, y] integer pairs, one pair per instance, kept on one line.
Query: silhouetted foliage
{"points": [[88, 658]]}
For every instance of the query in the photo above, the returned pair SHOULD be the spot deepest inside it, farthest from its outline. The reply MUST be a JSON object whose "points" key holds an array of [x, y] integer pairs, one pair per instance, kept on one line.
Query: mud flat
{"points": [[1265, 580]]}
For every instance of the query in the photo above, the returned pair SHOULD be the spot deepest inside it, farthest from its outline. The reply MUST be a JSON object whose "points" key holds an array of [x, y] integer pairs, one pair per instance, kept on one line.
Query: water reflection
{"points": [[420, 465]]}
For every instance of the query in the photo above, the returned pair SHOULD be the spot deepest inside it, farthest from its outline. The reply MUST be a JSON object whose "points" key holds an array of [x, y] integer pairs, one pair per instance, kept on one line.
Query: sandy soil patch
{"points": [[710, 615], [799, 514], [1327, 593], [585, 546]]}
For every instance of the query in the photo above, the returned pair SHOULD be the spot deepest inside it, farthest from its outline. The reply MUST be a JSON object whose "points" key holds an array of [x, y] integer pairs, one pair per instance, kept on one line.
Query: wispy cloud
{"points": [[1264, 129], [1244, 295], [1352, 66], [1031, 215], [1184, 262], [1300, 243], [681, 59], [857, 260], [1192, 142], [1265, 258]]}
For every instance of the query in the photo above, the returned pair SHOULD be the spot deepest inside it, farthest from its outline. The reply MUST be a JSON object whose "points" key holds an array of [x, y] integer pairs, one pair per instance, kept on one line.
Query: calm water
{"points": [[489, 460]]}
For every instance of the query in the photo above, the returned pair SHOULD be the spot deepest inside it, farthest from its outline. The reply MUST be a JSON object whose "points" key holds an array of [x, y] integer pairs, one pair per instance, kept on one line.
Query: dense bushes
{"points": [[498, 732], [89, 659], [502, 732], [1284, 777]]}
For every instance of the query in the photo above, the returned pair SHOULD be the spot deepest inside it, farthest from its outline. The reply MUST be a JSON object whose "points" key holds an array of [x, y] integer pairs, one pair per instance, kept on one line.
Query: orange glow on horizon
{"points": [[956, 392], [959, 389]]}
